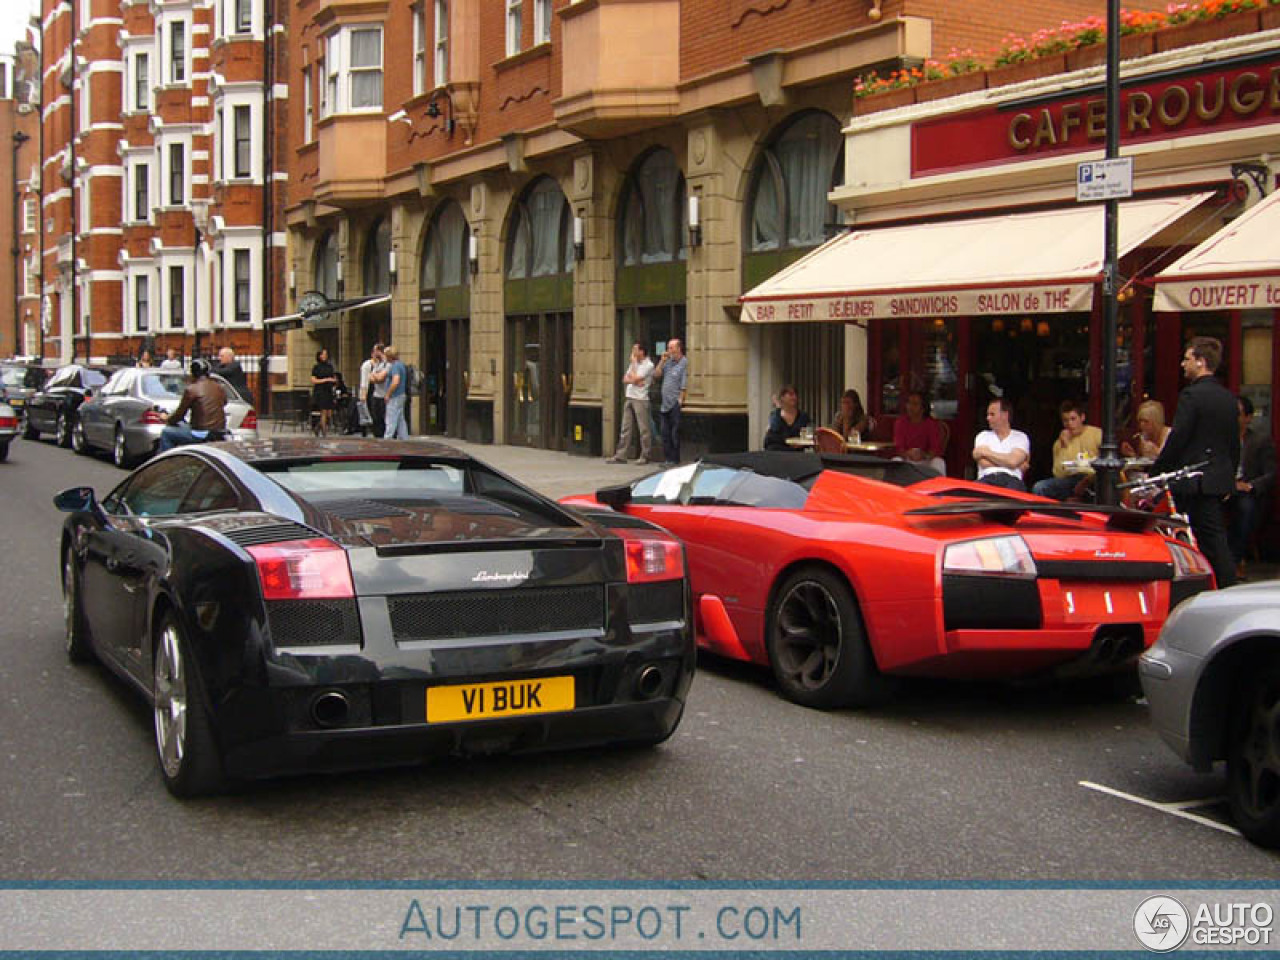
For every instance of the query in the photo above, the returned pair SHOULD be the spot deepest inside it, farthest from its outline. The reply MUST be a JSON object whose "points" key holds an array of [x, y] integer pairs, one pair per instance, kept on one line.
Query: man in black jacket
{"points": [[1254, 479], [1205, 429]]}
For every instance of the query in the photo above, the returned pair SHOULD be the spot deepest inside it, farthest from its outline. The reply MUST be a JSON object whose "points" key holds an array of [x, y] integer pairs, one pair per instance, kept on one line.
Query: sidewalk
{"points": [[550, 472]]}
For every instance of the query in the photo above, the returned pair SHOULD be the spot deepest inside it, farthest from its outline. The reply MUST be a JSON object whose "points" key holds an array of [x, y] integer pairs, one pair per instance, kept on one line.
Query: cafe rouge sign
{"points": [[988, 301], [1160, 107]]}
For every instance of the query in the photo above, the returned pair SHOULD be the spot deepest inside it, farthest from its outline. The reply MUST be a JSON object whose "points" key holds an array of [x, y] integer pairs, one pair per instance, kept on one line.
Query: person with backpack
{"points": [[397, 394]]}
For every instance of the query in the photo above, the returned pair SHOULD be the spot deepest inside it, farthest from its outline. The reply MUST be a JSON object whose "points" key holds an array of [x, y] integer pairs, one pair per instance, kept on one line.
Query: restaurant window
{"points": [[541, 241], [242, 118], [243, 282], [177, 297], [1257, 334], [653, 212], [444, 259], [788, 204]]}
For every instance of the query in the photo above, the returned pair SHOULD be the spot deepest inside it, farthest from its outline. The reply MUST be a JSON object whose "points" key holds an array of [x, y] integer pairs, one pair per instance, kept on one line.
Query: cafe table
{"points": [[877, 447]]}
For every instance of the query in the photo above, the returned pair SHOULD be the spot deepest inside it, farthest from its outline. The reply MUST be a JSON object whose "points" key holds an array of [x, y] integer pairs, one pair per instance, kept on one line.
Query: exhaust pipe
{"points": [[330, 709], [649, 682]]}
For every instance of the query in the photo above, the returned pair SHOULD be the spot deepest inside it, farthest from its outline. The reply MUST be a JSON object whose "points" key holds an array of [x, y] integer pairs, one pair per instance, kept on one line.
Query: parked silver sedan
{"points": [[126, 416], [1213, 682]]}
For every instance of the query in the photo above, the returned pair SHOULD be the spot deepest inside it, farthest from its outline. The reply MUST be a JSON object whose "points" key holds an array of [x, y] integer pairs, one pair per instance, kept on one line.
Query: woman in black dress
{"points": [[323, 377]]}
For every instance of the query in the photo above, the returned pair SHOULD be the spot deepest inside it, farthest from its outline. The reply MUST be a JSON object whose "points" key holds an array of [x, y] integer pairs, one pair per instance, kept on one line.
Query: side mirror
{"points": [[615, 497], [76, 500]]}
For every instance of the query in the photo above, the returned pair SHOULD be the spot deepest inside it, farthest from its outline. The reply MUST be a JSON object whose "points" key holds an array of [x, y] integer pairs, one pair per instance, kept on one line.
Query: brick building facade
{"points": [[19, 206], [162, 181]]}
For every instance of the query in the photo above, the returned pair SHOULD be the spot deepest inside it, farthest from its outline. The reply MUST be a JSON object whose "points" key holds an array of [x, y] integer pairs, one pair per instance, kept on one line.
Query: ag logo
{"points": [[1161, 923]]}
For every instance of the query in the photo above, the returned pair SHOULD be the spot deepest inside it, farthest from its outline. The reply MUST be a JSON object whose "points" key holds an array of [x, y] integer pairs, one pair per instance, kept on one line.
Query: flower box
{"points": [[951, 86], [1026, 70], [1206, 31], [1269, 18], [1132, 45], [884, 100]]}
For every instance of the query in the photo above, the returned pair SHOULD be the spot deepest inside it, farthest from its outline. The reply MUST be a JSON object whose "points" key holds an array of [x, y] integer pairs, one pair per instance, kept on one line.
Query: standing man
{"points": [[1254, 480], [635, 408], [1001, 451], [365, 394], [1205, 428], [380, 381], [397, 375], [206, 400], [171, 361], [673, 371], [1078, 444], [229, 369]]}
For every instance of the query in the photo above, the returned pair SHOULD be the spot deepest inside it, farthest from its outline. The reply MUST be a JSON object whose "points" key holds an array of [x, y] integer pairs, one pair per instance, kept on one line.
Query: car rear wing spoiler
{"points": [[1010, 511], [495, 545]]}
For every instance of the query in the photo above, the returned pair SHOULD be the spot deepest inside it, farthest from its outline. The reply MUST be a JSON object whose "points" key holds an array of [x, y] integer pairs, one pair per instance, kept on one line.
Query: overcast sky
{"points": [[14, 15]]}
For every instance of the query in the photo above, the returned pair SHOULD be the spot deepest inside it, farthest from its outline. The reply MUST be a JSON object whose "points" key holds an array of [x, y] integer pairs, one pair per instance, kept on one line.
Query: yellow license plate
{"points": [[506, 698]]}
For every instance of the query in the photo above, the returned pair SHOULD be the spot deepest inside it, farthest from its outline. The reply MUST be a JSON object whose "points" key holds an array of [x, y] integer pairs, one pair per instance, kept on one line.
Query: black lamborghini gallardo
{"points": [[299, 604]]}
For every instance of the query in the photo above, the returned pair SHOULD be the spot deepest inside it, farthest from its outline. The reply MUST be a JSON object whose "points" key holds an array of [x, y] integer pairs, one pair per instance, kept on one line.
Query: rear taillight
{"points": [[651, 556], [250, 421], [8, 423], [303, 570], [1188, 562], [154, 417]]}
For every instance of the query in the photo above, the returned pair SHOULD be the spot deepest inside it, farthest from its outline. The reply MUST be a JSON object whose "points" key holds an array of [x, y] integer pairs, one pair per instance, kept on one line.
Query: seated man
{"points": [[1254, 478], [206, 400], [1077, 443], [918, 436], [1001, 452]]}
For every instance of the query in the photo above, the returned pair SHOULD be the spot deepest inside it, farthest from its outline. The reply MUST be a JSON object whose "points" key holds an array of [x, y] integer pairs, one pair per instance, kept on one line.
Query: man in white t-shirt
{"points": [[635, 406], [1001, 452]]}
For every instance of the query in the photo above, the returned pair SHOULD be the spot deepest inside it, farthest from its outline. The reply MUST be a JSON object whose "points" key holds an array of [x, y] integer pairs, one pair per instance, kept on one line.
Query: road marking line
{"points": [[1173, 809]]}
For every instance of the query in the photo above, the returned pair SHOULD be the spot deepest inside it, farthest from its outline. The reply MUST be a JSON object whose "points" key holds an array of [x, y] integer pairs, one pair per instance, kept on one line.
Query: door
{"points": [[433, 357], [653, 326], [557, 329], [524, 386], [457, 376]]}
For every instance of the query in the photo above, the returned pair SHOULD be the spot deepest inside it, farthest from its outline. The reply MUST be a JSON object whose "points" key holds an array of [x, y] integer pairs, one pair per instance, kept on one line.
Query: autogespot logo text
{"points": [[1161, 924]]}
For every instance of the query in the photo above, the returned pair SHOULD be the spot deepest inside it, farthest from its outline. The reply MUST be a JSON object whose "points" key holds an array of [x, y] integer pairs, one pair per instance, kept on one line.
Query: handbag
{"points": [[362, 412]]}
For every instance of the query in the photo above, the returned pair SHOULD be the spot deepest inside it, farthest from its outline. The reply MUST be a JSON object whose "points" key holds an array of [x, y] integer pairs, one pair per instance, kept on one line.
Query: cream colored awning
{"points": [[1024, 263], [1238, 268]]}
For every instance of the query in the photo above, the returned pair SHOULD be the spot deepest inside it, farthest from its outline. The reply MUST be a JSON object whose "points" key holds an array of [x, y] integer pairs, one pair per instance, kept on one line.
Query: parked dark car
{"points": [[324, 604], [128, 414], [18, 381], [52, 409]]}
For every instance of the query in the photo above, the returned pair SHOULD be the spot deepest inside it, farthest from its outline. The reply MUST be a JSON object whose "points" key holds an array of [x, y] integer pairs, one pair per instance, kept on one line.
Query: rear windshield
{"points": [[92, 378], [162, 385], [457, 487]]}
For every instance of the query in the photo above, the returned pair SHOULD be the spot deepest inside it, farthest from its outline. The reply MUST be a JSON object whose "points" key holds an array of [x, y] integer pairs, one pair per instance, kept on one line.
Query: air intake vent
{"points": [[311, 623], [269, 533], [479, 613], [362, 510]]}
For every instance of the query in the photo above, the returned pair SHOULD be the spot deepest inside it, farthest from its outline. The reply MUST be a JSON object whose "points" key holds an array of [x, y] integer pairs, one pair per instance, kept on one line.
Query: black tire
{"points": [[119, 452], [817, 645], [4, 451], [79, 647], [1253, 758], [62, 429], [78, 441], [29, 432], [185, 746]]}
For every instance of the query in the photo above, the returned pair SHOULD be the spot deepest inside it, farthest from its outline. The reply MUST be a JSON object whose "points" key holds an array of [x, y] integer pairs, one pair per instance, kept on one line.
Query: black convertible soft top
{"points": [[801, 466]]}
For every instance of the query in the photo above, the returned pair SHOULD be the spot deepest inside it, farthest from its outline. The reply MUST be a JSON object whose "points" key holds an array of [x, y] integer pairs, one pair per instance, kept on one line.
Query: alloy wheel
{"points": [[70, 600], [60, 431], [77, 438], [809, 634], [119, 453], [1256, 776], [170, 687]]}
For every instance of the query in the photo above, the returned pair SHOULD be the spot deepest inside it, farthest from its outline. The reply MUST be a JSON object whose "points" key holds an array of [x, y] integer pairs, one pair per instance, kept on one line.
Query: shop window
{"points": [[652, 208], [1256, 349], [325, 266], [444, 261], [788, 204], [541, 242], [377, 258]]}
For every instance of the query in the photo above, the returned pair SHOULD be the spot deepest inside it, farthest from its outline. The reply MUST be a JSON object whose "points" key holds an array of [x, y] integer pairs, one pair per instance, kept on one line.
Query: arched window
{"points": [[444, 258], [787, 205], [540, 242], [325, 266], [652, 212], [377, 258]]}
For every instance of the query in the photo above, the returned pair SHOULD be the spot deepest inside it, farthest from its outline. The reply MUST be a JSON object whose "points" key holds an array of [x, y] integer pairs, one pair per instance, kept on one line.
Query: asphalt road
{"points": [[950, 782]]}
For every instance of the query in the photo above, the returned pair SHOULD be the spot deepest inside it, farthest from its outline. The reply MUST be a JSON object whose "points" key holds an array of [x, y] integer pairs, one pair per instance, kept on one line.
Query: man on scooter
{"points": [[206, 400]]}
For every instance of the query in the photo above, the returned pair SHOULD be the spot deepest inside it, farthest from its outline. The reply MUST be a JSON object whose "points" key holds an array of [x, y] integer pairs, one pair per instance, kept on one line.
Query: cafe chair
{"points": [[826, 440]]}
